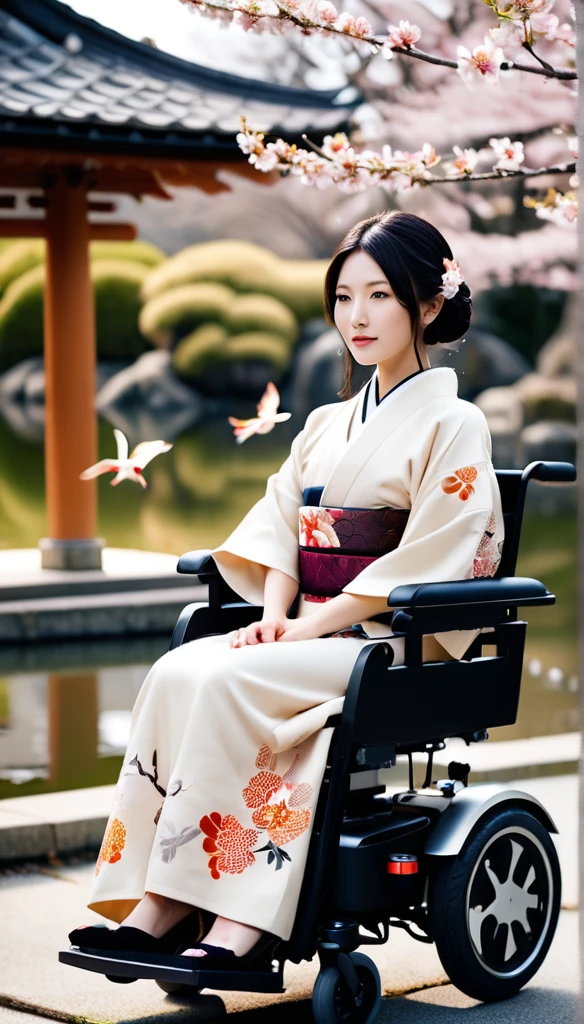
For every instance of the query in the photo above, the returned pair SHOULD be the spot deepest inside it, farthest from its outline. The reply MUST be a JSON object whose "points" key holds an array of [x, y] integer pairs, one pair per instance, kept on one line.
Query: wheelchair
{"points": [[472, 869]]}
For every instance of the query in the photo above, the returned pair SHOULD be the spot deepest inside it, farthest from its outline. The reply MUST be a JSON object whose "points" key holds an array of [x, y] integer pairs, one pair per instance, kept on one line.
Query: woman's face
{"points": [[373, 324]]}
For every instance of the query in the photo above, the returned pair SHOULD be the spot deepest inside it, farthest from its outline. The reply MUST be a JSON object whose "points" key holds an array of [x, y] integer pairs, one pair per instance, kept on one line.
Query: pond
{"points": [[65, 708]]}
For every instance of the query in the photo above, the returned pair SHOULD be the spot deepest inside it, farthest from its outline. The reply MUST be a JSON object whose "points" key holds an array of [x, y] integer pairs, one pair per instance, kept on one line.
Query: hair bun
{"points": [[452, 320]]}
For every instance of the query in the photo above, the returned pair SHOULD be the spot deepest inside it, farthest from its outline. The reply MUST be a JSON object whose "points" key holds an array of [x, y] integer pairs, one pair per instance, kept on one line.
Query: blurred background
{"points": [[220, 294]]}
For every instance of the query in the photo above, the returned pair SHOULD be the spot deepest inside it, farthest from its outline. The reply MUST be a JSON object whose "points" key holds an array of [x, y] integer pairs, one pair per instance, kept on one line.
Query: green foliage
{"points": [[244, 267], [262, 312], [171, 315], [136, 252], [21, 318], [20, 255], [210, 345], [168, 317], [117, 285], [18, 258]]}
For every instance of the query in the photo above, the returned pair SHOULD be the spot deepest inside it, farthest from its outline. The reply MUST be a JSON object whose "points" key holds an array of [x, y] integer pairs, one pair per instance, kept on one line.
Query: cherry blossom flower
{"points": [[405, 35], [548, 26], [327, 12], [559, 207], [452, 279], [251, 143], [266, 418], [358, 27], [509, 154], [483, 64], [127, 468], [465, 162]]}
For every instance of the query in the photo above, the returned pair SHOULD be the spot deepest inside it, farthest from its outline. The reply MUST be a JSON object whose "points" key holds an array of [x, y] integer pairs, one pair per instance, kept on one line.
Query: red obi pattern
{"points": [[336, 544]]}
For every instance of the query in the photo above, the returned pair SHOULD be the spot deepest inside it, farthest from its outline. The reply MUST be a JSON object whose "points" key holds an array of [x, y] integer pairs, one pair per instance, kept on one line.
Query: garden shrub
{"points": [[117, 285], [210, 345], [244, 267], [169, 316], [262, 312], [23, 254]]}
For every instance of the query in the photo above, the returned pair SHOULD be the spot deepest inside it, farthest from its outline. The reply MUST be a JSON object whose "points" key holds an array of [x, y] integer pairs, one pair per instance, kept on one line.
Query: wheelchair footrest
{"points": [[172, 969]]}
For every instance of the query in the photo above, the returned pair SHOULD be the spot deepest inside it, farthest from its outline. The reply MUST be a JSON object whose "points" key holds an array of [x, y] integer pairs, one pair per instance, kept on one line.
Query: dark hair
{"points": [[410, 252]]}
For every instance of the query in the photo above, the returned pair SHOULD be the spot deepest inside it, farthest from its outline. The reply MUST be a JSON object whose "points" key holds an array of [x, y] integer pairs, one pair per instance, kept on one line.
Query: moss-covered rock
{"points": [[244, 267], [117, 285]]}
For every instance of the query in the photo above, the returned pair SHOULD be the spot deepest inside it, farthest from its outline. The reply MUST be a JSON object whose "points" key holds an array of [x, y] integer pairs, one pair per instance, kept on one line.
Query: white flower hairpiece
{"points": [[452, 279]]}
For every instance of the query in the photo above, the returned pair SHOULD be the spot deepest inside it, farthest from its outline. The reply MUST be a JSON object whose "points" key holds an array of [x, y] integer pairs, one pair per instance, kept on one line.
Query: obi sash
{"points": [[336, 544]]}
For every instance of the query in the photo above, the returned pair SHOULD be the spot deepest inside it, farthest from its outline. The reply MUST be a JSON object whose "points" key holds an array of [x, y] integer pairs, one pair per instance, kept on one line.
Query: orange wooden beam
{"points": [[24, 227]]}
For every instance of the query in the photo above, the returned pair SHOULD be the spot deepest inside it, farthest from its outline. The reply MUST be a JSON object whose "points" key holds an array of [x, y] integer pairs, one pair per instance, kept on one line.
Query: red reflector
{"points": [[402, 864]]}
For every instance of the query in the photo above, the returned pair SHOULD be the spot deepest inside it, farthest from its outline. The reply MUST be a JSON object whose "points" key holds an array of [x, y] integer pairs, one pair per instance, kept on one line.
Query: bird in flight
{"points": [[266, 418], [127, 467]]}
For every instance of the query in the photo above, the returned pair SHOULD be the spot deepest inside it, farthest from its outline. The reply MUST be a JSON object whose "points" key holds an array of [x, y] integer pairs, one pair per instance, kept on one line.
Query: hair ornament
{"points": [[452, 279]]}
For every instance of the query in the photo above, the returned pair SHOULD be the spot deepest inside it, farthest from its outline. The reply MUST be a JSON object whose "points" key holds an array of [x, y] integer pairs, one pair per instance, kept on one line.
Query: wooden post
{"points": [[70, 421]]}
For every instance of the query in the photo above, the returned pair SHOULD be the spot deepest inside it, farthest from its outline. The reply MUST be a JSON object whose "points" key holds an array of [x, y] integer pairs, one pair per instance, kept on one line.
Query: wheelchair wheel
{"points": [[494, 908], [332, 1001]]}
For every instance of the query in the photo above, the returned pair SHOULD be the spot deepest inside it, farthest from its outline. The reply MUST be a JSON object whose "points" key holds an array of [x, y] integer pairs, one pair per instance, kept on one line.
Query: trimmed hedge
{"points": [[117, 285], [21, 255], [209, 345], [168, 317], [244, 267]]}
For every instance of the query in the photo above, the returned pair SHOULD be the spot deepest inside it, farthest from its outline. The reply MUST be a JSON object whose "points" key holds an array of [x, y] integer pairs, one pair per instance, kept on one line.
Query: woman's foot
{"points": [[226, 934], [157, 914]]}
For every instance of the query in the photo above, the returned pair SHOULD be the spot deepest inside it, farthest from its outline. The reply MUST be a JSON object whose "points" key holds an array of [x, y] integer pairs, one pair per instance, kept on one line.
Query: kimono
{"points": [[228, 746]]}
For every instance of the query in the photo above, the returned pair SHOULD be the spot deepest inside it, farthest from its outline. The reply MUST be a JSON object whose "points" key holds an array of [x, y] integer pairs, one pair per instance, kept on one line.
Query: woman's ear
{"points": [[431, 308]]}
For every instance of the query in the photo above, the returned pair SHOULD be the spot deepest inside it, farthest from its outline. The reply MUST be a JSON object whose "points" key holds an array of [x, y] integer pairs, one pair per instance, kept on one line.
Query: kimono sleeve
{"points": [[455, 529], [267, 536]]}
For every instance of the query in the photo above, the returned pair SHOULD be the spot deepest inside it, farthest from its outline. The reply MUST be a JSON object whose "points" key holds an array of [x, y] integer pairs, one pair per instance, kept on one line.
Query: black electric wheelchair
{"points": [[471, 869]]}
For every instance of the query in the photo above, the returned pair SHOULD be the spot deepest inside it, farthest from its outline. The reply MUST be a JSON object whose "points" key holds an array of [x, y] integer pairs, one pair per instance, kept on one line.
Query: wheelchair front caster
{"points": [[494, 907], [350, 996]]}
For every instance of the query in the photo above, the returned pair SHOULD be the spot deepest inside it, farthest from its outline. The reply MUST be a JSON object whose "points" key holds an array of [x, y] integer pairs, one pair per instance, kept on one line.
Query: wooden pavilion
{"points": [[85, 111]]}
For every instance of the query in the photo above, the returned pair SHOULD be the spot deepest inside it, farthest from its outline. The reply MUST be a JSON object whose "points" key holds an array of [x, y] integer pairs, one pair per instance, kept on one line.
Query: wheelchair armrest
{"points": [[509, 590], [199, 563]]}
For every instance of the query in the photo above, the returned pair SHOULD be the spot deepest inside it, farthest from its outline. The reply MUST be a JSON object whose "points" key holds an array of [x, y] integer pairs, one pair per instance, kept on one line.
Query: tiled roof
{"points": [[66, 79]]}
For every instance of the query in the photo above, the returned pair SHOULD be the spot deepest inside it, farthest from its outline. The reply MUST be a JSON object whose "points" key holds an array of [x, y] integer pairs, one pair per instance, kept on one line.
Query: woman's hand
{"points": [[266, 631]]}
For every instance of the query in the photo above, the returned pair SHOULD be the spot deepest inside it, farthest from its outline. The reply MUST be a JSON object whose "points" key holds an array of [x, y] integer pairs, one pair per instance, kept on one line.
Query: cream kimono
{"points": [[228, 745]]}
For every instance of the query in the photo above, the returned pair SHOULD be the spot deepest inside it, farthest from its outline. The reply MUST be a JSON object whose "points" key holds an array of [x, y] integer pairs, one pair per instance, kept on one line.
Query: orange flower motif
{"points": [[260, 788], [228, 843], [281, 822], [265, 758], [112, 845], [460, 482]]}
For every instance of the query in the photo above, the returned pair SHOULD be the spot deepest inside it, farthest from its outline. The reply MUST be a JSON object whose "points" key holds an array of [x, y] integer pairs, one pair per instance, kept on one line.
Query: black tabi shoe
{"points": [[101, 939], [259, 957]]}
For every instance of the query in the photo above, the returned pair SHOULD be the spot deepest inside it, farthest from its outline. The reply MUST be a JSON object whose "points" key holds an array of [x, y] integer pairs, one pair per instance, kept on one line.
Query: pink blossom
{"points": [[451, 279], [509, 154], [483, 64], [352, 26], [250, 143], [548, 25], [465, 163], [335, 145], [327, 12], [405, 34], [564, 211]]}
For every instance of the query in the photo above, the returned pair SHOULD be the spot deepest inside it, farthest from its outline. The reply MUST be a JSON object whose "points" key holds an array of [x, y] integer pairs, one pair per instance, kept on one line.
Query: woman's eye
{"points": [[340, 297], [383, 294]]}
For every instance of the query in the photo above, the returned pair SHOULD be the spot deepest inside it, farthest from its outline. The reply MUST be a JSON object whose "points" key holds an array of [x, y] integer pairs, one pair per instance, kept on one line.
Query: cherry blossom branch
{"points": [[485, 61], [336, 162]]}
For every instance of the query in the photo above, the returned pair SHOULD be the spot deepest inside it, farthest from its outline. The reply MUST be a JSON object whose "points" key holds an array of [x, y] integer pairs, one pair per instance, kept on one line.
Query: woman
{"points": [[228, 747]]}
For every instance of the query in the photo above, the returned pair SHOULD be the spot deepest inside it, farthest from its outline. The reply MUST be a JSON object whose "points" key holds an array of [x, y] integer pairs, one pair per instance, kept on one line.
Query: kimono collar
{"points": [[438, 382]]}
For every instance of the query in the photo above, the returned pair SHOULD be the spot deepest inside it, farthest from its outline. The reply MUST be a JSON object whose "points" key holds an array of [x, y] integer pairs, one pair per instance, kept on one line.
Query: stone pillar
{"points": [[70, 420]]}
